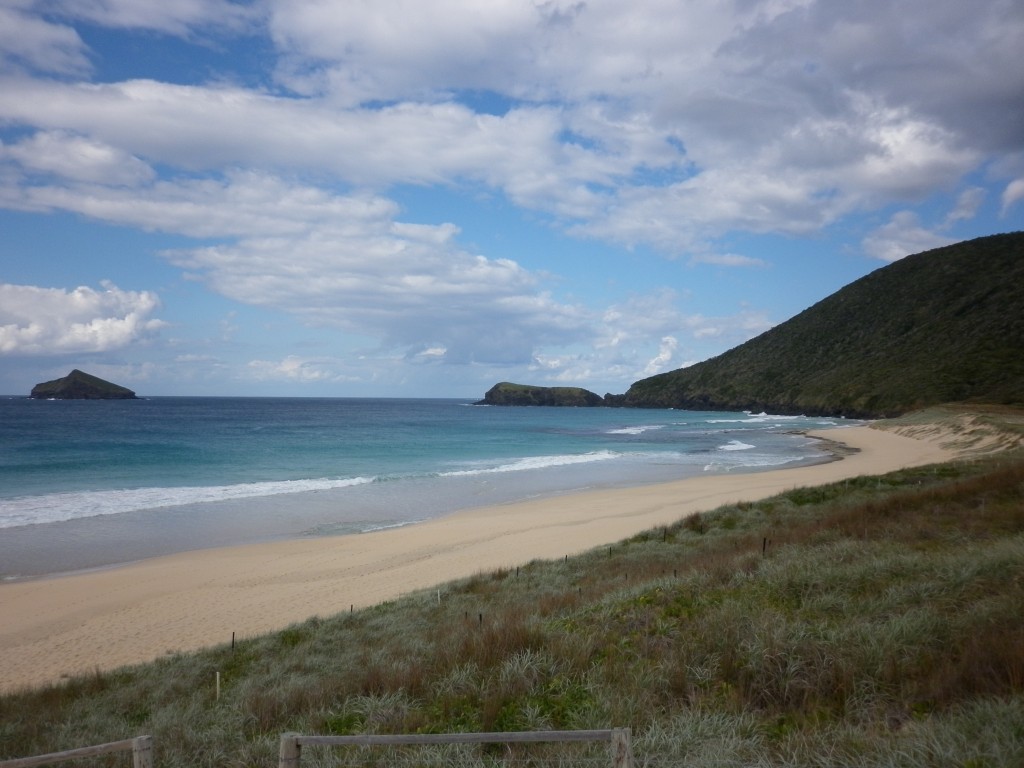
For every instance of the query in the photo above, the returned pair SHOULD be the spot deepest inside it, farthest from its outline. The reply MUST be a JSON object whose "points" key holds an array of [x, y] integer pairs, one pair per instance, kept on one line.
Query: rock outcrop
{"points": [[79, 385]]}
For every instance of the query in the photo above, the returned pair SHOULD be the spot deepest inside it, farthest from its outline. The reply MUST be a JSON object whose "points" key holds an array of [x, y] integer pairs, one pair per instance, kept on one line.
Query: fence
{"points": [[141, 748], [619, 738]]}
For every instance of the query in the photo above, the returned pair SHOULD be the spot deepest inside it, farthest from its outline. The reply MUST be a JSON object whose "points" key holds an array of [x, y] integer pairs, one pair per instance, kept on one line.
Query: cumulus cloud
{"points": [[294, 369], [674, 127], [784, 127], [209, 129], [27, 40], [1014, 191], [77, 158], [655, 123], [175, 17], [901, 236], [341, 261], [46, 321], [661, 362], [967, 205]]}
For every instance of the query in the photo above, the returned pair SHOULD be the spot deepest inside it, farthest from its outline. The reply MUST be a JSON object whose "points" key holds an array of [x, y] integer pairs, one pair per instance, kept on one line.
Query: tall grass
{"points": [[873, 622]]}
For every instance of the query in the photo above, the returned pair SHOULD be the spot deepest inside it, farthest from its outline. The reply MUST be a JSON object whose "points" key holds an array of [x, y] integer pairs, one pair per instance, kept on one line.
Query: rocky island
{"points": [[507, 393], [79, 385]]}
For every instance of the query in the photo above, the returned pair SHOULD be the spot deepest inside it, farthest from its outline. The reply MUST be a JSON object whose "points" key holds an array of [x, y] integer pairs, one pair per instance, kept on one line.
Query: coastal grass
{"points": [[877, 621]]}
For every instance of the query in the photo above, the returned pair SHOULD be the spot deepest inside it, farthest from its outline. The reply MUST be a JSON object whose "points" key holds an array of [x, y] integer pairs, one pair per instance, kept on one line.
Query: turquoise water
{"points": [[89, 483]]}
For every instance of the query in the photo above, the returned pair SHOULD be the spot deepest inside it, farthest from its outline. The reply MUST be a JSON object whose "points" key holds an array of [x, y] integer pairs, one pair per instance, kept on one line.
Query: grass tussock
{"points": [[874, 622]]}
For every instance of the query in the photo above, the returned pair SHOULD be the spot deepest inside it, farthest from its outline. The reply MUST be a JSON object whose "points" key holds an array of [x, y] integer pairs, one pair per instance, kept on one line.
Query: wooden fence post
{"points": [[622, 749], [290, 752], [619, 740], [142, 752]]}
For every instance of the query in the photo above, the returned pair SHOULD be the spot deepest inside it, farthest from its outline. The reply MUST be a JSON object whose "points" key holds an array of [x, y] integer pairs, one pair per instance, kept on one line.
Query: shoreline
{"points": [[77, 623], [87, 543]]}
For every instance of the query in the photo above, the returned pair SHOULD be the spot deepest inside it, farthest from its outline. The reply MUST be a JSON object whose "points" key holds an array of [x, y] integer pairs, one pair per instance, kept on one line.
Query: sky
{"points": [[421, 198]]}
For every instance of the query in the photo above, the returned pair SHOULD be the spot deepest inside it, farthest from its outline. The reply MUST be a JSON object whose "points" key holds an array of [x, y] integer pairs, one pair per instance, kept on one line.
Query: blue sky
{"points": [[403, 198]]}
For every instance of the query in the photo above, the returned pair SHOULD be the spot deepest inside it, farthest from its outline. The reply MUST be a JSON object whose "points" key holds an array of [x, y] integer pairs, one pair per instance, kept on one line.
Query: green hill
{"points": [[945, 325]]}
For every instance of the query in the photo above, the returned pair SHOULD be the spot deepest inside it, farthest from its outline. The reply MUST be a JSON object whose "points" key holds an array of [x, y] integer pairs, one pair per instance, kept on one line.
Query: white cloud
{"points": [[249, 204], [902, 236], [175, 17], [46, 321], [661, 362], [30, 41], [655, 123], [561, 49], [966, 207], [293, 369], [726, 260], [77, 158], [341, 261], [213, 128], [657, 142], [1014, 192]]}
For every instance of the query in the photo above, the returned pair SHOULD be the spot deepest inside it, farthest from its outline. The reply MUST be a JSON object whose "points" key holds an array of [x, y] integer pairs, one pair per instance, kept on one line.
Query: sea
{"points": [[92, 483]]}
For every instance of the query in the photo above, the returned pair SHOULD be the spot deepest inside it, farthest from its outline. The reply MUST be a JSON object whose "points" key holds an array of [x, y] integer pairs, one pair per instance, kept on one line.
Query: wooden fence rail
{"points": [[619, 738], [141, 748]]}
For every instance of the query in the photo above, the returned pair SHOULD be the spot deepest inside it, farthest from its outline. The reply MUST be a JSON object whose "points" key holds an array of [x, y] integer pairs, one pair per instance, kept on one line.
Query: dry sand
{"points": [[69, 625]]}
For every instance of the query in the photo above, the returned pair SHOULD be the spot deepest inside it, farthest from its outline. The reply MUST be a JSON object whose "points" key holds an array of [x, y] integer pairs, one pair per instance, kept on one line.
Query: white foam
{"points": [[535, 462], [755, 418], [58, 507], [735, 445], [635, 430], [758, 461]]}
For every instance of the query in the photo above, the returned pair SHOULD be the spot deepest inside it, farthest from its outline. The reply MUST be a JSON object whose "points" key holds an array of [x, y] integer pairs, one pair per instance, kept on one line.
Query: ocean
{"points": [[86, 484]]}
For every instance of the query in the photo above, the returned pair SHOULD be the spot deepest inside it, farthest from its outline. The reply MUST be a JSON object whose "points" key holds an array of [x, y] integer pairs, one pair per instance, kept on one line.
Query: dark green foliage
{"points": [[942, 326]]}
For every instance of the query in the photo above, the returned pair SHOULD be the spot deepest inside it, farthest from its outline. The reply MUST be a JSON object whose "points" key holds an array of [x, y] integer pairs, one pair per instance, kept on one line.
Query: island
{"points": [[79, 385], [507, 393]]}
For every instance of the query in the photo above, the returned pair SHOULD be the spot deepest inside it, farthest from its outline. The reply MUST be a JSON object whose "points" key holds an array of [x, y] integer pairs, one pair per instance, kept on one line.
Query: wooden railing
{"points": [[141, 748], [621, 748]]}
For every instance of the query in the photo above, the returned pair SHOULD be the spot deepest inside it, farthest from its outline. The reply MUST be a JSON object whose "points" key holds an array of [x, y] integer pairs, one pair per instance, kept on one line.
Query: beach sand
{"points": [[77, 624]]}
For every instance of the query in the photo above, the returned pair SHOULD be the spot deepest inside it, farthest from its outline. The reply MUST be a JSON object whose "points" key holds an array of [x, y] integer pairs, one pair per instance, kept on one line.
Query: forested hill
{"points": [[946, 325]]}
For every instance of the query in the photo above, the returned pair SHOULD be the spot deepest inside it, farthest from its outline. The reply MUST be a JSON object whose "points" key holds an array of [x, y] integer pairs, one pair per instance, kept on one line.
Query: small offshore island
{"points": [[507, 393], [79, 385]]}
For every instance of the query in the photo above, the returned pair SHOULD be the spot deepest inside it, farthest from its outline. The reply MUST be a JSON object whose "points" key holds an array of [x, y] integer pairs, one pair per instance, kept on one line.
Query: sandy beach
{"points": [[76, 624]]}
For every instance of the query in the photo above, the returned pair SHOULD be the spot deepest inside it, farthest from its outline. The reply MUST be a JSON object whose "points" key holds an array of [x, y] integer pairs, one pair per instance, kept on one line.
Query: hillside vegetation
{"points": [[873, 622], [942, 326]]}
